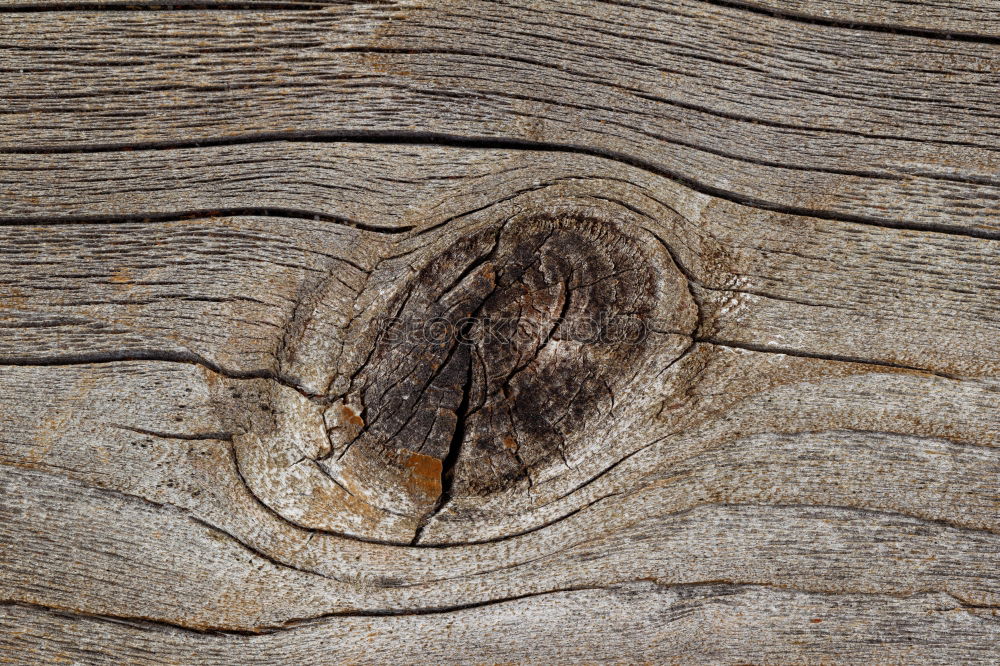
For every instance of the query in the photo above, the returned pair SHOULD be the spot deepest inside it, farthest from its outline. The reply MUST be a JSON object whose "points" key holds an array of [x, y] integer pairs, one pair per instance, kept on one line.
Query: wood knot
{"points": [[498, 365]]}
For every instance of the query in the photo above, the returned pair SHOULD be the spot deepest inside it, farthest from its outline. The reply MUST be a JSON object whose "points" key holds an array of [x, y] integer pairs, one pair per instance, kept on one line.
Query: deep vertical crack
{"points": [[454, 446]]}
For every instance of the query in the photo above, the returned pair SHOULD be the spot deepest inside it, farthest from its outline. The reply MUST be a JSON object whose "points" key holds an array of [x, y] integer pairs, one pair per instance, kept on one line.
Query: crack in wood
{"points": [[716, 588], [206, 213], [381, 137]]}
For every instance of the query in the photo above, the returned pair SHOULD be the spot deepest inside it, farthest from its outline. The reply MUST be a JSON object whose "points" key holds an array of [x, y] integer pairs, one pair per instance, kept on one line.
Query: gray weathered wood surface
{"points": [[209, 455]]}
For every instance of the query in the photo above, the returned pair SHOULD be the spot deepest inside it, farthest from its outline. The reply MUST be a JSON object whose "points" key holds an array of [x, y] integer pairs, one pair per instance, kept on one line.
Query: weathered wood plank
{"points": [[788, 120], [222, 443], [832, 554], [638, 622], [105, 452]]}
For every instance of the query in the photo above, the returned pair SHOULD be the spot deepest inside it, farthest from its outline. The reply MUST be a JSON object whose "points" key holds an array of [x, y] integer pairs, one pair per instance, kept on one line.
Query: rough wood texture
{"points": [[222, 443], [830, 122], [944, 19]]}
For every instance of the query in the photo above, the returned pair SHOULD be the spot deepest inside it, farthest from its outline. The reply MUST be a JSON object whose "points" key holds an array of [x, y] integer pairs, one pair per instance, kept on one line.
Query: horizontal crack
{"points": [[499, 143], [175, 216], [787, 351], [146, 622], [868, 26], [102, 358], [216, 436]]}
